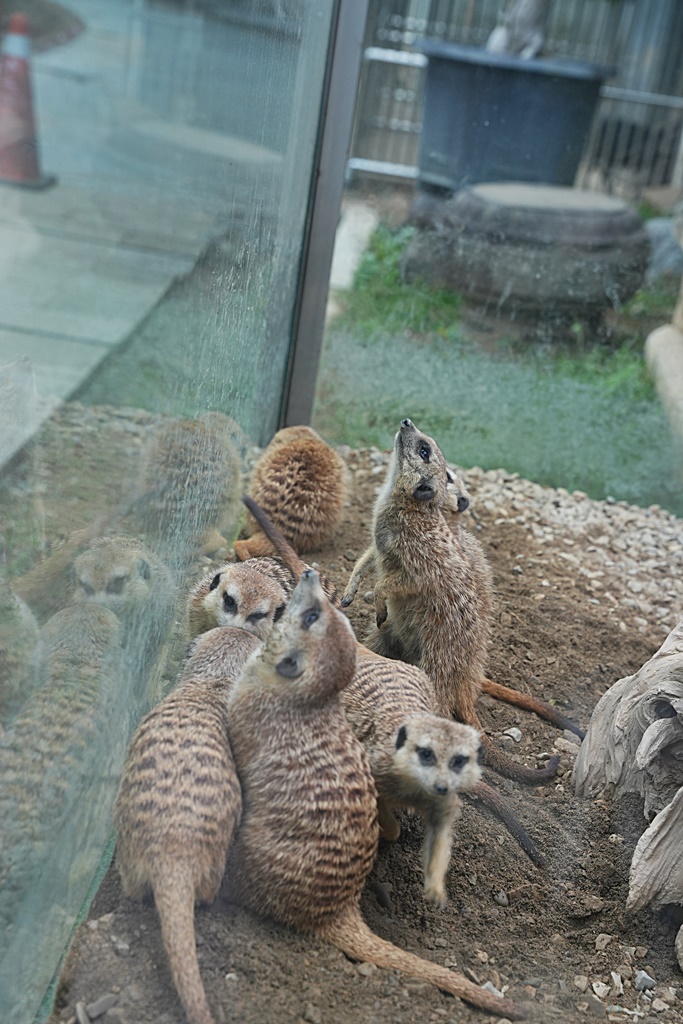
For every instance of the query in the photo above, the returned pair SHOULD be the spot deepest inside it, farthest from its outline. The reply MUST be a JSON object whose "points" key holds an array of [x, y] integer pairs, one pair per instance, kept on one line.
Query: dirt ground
{"points": [[542, 935]]}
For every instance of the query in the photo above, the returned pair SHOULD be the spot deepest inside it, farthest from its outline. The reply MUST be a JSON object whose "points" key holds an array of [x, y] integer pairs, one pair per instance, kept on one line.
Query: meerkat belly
{"points": [[309, 833]]}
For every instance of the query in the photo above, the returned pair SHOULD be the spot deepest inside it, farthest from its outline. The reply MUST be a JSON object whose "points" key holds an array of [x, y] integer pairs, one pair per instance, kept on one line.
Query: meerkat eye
{"points": [[279, 612], [309, 617], [116, 585], [229, 603], [215, 581], [458, 762], [426, 755], [86, 588], [424, 451], [256, 616]]}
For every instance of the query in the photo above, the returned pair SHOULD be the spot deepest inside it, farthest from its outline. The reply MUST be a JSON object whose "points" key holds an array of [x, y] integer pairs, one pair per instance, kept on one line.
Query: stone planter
{"points": [[535, 251]]}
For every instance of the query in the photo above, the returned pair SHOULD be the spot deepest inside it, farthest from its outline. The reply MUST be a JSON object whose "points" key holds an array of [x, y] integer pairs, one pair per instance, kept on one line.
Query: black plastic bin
{"points": [[494, 117]]}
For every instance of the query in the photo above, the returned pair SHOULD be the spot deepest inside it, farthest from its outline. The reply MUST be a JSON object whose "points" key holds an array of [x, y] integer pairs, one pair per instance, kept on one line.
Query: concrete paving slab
{"points": [[79, 290]]}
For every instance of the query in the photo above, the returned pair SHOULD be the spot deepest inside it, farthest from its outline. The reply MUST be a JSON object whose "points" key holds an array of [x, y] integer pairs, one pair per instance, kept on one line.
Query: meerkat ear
{"points": [[449, 477], [290, 667], [401, 737], [215, 581], [279, 612], [480, 753], [145, 570]]}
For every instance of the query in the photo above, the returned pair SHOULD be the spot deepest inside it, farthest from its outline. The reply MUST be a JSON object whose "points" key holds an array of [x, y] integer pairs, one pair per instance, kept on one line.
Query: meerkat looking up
{"points": [[433, 593], [308, 835], [301, 483]]}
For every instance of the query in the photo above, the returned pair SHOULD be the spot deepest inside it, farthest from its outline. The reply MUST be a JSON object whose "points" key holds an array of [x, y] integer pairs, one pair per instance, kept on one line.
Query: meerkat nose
{"points": [[440, 788], [407, 425]]}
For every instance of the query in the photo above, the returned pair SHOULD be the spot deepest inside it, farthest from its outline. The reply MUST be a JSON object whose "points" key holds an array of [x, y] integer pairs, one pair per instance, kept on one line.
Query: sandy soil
{"points": [[543, 935]]}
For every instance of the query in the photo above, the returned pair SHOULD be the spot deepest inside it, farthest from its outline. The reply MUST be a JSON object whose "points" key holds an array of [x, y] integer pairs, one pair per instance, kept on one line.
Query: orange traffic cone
{"points": [[18, 144]]}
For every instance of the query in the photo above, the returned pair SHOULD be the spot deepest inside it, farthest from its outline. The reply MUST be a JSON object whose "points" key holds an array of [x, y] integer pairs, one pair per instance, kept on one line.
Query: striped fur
{"points": [[301, 483], [309, 832], [177, 808]]}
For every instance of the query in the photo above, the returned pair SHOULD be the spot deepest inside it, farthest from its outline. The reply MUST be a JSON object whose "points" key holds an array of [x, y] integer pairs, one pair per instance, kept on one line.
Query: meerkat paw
{"points": [[435, 894], [389, 827]]}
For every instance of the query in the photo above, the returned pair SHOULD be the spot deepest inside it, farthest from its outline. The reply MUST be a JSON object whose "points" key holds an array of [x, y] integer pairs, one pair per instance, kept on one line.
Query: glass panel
{"points": [[147, 300]]}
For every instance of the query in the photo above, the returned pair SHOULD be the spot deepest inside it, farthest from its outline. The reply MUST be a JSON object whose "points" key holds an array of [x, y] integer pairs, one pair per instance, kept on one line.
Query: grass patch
{"points": [[381, 303], [578, 413]]}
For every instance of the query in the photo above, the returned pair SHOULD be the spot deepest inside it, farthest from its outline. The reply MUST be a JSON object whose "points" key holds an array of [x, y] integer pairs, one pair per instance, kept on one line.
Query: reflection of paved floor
{"points": [[142, 184]]}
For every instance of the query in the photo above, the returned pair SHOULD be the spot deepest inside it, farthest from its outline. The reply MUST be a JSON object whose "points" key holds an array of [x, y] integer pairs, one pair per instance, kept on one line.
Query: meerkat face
{"points": [[312, 648], [421, 466], [457, 495], [437, 758], [240, 596], [113, 572]]}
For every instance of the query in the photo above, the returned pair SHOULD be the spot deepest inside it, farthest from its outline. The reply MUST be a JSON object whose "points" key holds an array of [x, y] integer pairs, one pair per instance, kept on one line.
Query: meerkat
{"points": [[179, 803], [420, 760], [417, 689], [239, 594], [308, 835], [433, 593], [301, 483], [21, 660], [188, 489], [52, 749]]}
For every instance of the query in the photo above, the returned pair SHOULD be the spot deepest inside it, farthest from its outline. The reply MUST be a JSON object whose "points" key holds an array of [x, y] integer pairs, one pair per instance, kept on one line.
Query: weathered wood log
{"points": [[634, 743]]}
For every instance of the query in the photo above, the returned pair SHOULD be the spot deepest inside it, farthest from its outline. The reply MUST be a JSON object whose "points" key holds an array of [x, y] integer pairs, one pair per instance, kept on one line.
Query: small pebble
{"points": [[81, 1014], [601, 990], [602, 942], [644, 982], [514, 732], [101, 1005], [658, 1005], [312, 1014], [366, 969], [581, 982], [501, 898], [231, 976]]}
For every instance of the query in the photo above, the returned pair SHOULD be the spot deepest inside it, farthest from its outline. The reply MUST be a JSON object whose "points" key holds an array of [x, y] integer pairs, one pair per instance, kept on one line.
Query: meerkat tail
{"points": [[278, 540], [500, 762], [349, 933], [530, 703], [174, 896], [492, 799]]}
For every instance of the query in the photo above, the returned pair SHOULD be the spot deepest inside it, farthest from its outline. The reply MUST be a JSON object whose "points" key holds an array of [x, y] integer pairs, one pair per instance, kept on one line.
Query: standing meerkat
{"points": [[239, 594], [301, 483], [420, 760], [308, 835], [177, 808], [388, 691], [433, 594]]}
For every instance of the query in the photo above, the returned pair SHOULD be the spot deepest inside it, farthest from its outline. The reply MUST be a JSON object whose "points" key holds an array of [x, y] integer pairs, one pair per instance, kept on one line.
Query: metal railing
{"points": [[637, 135]]}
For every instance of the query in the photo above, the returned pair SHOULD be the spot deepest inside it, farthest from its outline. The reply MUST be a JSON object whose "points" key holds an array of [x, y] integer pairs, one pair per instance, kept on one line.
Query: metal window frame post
{"points": [[334, 140]]}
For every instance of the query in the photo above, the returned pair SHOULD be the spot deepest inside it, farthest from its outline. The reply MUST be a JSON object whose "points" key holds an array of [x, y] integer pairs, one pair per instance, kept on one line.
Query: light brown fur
{"points": [[301, 483], [179, 803], [418, 760], [386, 696], [433, 594], [309, 832], [238, 594]]}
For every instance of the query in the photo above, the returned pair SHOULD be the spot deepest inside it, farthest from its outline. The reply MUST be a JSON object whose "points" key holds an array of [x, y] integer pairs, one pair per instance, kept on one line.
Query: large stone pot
{"points": [[529, 250]]}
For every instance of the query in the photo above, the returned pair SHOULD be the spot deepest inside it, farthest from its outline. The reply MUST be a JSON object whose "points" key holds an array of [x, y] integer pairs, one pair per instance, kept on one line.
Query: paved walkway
{"points": [[137, 196]]}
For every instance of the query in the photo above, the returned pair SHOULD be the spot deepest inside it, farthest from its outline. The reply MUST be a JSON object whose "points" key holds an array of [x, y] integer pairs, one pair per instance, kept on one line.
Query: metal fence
{"points": [[637, 135]]}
